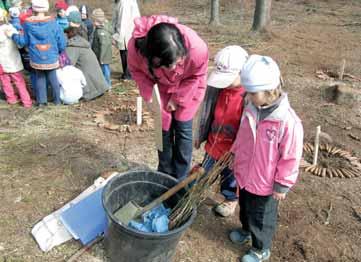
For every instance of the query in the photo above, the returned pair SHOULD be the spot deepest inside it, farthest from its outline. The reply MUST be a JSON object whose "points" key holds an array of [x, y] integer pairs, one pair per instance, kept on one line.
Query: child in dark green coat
{"points": [[102, 42]]}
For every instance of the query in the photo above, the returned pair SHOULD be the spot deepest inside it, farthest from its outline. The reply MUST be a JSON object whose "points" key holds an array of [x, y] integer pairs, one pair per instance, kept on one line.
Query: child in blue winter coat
{"points": [[45, 41], [61, 19]]}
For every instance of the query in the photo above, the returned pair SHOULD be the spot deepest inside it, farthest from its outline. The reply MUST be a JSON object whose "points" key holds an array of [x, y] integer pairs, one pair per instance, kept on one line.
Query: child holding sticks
{"points": [[220, 117], [267, 154]]}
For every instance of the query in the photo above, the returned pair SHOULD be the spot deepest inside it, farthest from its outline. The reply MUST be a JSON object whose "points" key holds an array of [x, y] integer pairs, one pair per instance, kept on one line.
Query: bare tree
{"points": [[262, 15], [241, 12], [214, 13]]}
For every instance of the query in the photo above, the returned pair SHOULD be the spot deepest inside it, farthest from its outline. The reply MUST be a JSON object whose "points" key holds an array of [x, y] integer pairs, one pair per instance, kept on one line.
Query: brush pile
{"points": [[333, 162], [198, 192]]}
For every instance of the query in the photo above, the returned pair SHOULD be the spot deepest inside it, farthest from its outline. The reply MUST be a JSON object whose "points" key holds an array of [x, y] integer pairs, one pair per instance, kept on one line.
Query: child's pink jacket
{"points": [[186, 84], [268, 152]]}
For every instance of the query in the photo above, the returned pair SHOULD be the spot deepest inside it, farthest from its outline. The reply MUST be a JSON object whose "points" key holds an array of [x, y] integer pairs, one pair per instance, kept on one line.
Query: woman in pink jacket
{"points": [[174, 57], [267, 153]]}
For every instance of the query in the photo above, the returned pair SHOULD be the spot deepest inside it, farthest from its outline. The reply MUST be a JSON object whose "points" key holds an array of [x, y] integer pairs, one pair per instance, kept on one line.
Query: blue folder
{"points": [[86, 220]]}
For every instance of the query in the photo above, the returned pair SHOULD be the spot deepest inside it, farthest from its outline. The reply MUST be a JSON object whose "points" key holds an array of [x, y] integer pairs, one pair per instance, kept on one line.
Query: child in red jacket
{"points": [[220, 118]]}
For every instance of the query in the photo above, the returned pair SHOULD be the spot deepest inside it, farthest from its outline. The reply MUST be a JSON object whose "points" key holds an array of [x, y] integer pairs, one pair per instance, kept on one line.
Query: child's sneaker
{"points": [[226, 208], [13, 102], [240, 236], [254, 255]]}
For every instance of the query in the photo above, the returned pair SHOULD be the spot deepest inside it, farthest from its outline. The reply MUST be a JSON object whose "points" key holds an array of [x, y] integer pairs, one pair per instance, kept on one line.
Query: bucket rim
{"points": [[138, 232]]}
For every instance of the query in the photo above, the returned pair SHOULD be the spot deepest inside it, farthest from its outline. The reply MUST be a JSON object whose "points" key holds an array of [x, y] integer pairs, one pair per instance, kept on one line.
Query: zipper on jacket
{"points": [[257, 117], [254, 146]]}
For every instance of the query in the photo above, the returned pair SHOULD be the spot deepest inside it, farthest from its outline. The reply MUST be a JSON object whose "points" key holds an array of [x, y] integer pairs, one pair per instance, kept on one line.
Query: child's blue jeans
{"points": [[41, 86], [228, 182], [106, 73]]}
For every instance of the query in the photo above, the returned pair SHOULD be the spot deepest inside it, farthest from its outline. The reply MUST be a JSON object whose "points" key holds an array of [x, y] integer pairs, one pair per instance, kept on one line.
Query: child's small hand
{"points": [[279, 196], [9, 33]]}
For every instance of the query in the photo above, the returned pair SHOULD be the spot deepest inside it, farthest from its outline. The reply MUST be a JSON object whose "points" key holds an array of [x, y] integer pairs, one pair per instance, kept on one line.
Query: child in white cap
{"points": [[220, 117], [267, 154], [11, 66]]}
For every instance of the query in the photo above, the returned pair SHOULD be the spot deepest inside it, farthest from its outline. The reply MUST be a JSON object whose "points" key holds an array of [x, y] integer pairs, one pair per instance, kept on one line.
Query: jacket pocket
{"points": [[43, 47], [199, 94]]}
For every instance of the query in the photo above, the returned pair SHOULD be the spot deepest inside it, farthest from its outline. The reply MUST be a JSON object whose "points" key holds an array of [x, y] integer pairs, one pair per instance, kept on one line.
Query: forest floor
{"points": [[50, 155]]}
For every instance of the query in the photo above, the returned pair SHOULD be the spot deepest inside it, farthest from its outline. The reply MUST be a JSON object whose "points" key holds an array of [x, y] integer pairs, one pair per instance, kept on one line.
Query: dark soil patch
{"points": [[124, 115]]}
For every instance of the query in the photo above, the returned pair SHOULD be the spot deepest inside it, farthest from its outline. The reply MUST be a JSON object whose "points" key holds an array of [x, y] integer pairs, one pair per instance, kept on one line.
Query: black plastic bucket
{"points": [[129, 245]]}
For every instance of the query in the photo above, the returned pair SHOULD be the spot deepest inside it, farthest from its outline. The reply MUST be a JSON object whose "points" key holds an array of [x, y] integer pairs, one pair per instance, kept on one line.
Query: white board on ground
{"points": [[139, 111], [157, 114]]}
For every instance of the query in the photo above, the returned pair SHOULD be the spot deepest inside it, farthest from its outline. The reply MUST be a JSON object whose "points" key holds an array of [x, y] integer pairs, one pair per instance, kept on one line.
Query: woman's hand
{"points": [[197, 145], [279, 196], [171, 106]]}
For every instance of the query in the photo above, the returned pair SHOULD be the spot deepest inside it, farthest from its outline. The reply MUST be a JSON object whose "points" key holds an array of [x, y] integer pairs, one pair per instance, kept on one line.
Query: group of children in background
{"points": [[246, 112], [36, 41]]}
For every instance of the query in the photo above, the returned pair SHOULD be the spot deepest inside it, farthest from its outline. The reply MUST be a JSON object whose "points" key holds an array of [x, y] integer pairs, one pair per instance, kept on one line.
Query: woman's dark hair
{"points": [[162, 46]]}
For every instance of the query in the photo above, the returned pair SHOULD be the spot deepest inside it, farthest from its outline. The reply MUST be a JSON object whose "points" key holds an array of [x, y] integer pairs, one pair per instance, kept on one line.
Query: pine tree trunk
{"points": [[262, 15], [241, 11], [214, 12]]}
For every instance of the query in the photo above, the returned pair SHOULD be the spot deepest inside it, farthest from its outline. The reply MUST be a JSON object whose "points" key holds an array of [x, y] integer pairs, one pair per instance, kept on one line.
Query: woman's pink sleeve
{"points": [[138, 72]]}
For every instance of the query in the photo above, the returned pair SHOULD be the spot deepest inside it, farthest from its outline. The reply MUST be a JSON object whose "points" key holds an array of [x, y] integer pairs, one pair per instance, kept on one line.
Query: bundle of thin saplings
{"points": [[198, 192], [351, 167]]}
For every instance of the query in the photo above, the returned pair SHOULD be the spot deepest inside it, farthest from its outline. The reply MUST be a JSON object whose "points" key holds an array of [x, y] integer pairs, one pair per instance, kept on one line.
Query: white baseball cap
{"points": [[260, 73], [229, 62]]}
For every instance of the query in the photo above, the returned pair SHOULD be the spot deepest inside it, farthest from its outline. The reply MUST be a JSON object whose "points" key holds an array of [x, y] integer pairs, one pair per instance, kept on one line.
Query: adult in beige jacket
{"points": [[125, 11]]}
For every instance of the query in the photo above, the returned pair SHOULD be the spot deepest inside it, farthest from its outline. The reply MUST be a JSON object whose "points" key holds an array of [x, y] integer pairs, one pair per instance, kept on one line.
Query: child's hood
{"points": [[39, 28], [40, 21], [78, 41], [106, 27], [277, 111], [145, 23]]}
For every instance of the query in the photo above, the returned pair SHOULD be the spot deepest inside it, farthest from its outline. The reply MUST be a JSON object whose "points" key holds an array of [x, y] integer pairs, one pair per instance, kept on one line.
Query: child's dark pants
{"points": [[258, 215], [123, 58]]}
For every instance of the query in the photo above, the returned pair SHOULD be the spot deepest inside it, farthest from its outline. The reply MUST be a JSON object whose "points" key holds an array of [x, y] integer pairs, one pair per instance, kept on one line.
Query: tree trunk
{"points": [[214, 12], [262, 15], [241, 11]]}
